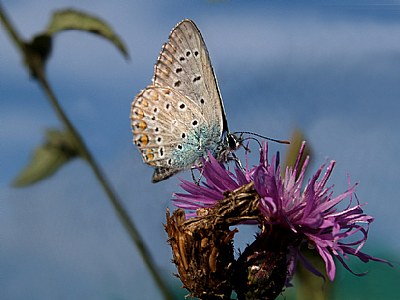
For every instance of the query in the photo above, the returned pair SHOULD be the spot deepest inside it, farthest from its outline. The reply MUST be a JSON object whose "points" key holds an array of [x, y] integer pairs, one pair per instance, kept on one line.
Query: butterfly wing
{"points": [[184, 65], [180, 117], [170, 131]]}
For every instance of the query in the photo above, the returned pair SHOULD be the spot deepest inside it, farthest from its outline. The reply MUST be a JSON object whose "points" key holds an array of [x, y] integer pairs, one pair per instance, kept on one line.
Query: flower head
{"points": [[218, 180], [311, 213], [300, 215]]}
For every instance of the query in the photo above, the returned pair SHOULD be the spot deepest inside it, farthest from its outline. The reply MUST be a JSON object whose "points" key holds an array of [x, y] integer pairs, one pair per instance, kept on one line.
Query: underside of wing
{"points": [[184, 65], [161, 173], [169, 130]]}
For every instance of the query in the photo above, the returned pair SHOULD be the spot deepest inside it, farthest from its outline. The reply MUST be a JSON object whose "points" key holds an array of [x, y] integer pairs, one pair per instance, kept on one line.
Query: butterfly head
{"points": [[230, 143], [233, 141]]}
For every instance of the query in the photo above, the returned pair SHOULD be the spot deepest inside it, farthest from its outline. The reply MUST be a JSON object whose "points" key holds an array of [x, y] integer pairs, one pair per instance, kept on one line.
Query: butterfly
{"points": [[180, 117]]}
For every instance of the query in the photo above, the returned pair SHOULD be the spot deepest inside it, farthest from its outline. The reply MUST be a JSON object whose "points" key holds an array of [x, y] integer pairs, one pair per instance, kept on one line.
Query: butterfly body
{"points": [[180, 117]]}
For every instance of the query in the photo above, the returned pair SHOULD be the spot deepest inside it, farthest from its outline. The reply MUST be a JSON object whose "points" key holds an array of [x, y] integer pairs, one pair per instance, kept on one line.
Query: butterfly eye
{"points": [[195, 123], [202, 101], [233, 142], [161, 151], [159, 139], [196, 53], [188, 53], [179, 147], [178, 70], [183, 135], [177, 83]]}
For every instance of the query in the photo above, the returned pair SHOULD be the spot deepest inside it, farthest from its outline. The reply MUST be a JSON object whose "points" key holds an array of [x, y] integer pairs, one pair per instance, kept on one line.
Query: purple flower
{"points": [[312, 213], [309, 215], [218, 180]]}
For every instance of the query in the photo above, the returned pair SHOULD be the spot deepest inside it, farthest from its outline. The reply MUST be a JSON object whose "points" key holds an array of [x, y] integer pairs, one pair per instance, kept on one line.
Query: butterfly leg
{"points": [[193, 177], [236, 160], [197, 181]]}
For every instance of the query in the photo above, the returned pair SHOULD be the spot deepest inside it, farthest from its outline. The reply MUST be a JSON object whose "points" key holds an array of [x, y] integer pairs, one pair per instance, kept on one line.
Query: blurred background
{"points": [[330, 68]]}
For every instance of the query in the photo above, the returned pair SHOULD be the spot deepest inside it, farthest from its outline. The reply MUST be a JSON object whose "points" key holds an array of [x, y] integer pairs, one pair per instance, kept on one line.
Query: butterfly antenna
{"points": [[263, 137], [248, 139]]}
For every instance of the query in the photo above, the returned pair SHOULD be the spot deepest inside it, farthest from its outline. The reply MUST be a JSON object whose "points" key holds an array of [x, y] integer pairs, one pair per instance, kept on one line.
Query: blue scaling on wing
{"points": [[178, 118]]}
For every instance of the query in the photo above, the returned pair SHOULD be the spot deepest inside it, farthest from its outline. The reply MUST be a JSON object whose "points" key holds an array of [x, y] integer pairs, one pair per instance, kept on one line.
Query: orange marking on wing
{"points": [[138, 113], [144, 139], [141, 125]]}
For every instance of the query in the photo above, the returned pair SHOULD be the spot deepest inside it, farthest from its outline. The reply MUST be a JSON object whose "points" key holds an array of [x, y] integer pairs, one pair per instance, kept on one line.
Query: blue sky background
{"points": [[331, 68]]}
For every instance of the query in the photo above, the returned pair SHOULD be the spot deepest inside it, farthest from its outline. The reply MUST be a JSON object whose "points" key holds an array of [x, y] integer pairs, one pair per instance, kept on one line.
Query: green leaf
{"points": [[37, 51], [58, 149], [306, 285], [71, 19], [309, 285]]}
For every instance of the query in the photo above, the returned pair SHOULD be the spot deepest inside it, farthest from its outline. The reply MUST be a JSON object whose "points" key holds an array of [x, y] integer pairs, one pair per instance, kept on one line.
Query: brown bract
{"points": [[203, 246]]}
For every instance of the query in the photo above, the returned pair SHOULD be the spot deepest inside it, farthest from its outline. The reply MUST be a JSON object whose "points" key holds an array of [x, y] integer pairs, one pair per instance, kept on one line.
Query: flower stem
{"points": [[86, 154]]}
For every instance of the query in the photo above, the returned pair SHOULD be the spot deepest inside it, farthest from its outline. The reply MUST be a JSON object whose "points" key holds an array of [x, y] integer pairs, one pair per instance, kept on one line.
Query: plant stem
{"points": [[117, 204], [86, 154]]}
